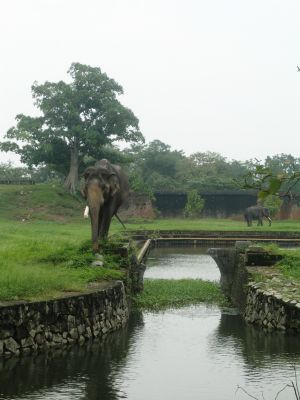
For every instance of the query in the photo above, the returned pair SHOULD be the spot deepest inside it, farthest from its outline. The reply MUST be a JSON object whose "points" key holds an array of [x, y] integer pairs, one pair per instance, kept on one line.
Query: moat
{"points": [[194, 352]]}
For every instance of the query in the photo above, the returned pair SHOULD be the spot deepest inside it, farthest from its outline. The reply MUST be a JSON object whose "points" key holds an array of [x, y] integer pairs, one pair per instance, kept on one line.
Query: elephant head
{"points": [[104, 191]]}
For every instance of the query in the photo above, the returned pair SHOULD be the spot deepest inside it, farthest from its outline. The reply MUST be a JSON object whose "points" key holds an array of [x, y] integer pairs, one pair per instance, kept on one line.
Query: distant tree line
{"points": [[155, 167]]}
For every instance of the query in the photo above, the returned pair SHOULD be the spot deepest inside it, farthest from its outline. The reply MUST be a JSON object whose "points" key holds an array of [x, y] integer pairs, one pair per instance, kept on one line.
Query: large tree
{"points": [[78, 119]]}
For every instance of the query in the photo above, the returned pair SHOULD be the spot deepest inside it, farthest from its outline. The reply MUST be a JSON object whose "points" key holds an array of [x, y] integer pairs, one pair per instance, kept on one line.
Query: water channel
{"points": [[195, 352]]}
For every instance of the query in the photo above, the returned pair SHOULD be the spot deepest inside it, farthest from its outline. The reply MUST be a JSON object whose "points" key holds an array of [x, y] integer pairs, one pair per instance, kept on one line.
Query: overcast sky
{"points": [[218, 75]]}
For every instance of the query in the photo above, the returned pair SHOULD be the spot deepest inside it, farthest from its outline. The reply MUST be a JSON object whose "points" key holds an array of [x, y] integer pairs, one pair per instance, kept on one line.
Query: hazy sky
{"points": [[200, 75]]}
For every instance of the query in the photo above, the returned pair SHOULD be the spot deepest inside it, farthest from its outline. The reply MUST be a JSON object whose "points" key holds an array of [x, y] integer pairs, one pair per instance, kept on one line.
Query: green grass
{"points": [[42, 230], [209, 224], [161, 293], [41, 259], [290, 263], [38, 202], [290, 266]]}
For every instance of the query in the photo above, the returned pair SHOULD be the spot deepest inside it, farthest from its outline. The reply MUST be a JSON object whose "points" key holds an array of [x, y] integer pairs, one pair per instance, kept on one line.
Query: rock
{"points": [[6, 333], [99, 257], [74, 333], [81, 329], [11, 345], [97, 264], [27, 342], [81, 339], [57, 338], [40, 339], [32, 333]]}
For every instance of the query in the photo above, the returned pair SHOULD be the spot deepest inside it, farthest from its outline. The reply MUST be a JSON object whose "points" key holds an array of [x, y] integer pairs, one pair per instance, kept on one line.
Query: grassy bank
{"points": [[210, 224], [41, 232], [42, 259], [46, 202], [161, 293], [289, 266]]}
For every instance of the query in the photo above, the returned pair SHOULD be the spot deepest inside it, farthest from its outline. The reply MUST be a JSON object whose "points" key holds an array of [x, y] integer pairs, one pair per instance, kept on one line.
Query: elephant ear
{"points": [[88, 172]]}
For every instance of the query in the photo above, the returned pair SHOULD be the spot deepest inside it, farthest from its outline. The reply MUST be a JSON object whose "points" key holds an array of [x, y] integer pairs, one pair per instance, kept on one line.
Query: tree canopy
{"points": [[79, 120], [156, 167], [278, 175]]}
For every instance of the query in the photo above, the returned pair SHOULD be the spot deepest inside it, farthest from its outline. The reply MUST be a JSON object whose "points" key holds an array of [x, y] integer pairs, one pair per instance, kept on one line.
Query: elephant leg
{"points": [[104, 223]]}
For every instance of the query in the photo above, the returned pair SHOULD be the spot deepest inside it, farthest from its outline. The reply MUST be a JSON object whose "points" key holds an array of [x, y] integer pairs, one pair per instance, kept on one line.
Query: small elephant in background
{"points": [[106, 188], [257, 213]]}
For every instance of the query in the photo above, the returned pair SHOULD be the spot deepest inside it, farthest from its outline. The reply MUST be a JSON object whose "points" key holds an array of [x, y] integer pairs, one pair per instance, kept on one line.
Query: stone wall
{"points": [[137, 205], [31, 327], [273, 303], [269, 310]]}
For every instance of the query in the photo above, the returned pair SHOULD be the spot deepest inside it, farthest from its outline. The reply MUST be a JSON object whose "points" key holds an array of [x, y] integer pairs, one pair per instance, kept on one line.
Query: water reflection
{"points": [[85, 372], [191, 353], [181, 262], [267, 359]]}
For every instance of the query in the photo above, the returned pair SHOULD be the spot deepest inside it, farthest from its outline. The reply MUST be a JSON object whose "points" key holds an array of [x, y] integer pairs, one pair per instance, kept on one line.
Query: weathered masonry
{"points": [[30, 327], [273, 303]]}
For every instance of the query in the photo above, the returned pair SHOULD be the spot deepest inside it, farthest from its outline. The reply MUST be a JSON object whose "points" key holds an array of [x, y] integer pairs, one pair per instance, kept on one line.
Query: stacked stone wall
{"points": [[270, 310], [273, 303], [32, 327]]}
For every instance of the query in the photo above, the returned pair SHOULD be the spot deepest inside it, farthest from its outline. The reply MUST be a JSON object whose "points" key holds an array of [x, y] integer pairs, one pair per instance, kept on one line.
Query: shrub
{"points": [[273, 203], [194, 204]]}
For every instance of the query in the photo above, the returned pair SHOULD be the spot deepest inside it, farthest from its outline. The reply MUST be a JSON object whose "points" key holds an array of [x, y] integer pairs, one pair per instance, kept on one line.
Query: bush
{"points": [[273, 203], [194, 204]]}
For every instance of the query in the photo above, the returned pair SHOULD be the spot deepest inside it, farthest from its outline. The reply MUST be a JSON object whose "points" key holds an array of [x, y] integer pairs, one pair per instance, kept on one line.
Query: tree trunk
{"points": [[72, 178]]}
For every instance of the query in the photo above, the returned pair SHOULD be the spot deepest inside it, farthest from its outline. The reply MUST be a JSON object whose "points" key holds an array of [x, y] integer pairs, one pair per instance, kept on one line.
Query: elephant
{"points": [[257, 212], [106, 187]]}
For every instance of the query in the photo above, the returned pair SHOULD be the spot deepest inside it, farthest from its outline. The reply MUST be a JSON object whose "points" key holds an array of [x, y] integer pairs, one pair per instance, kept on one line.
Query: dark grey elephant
{"points": [[106, 188], [257, 213]]}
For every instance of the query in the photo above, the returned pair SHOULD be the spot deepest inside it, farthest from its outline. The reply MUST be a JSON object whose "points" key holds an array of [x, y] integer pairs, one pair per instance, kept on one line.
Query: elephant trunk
{"points": [[94, 214], [95, 201]]}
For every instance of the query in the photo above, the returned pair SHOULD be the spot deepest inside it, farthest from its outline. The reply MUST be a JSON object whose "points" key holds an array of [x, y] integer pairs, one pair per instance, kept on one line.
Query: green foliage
{"points": [[289, 265], [82, 256], [273, 203], [160, 293], [77, 119], [42, 173], [154, 166], [9, 172], [278, 174], [140, 186], [194, 204], [42, 259], [158, 168]]}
